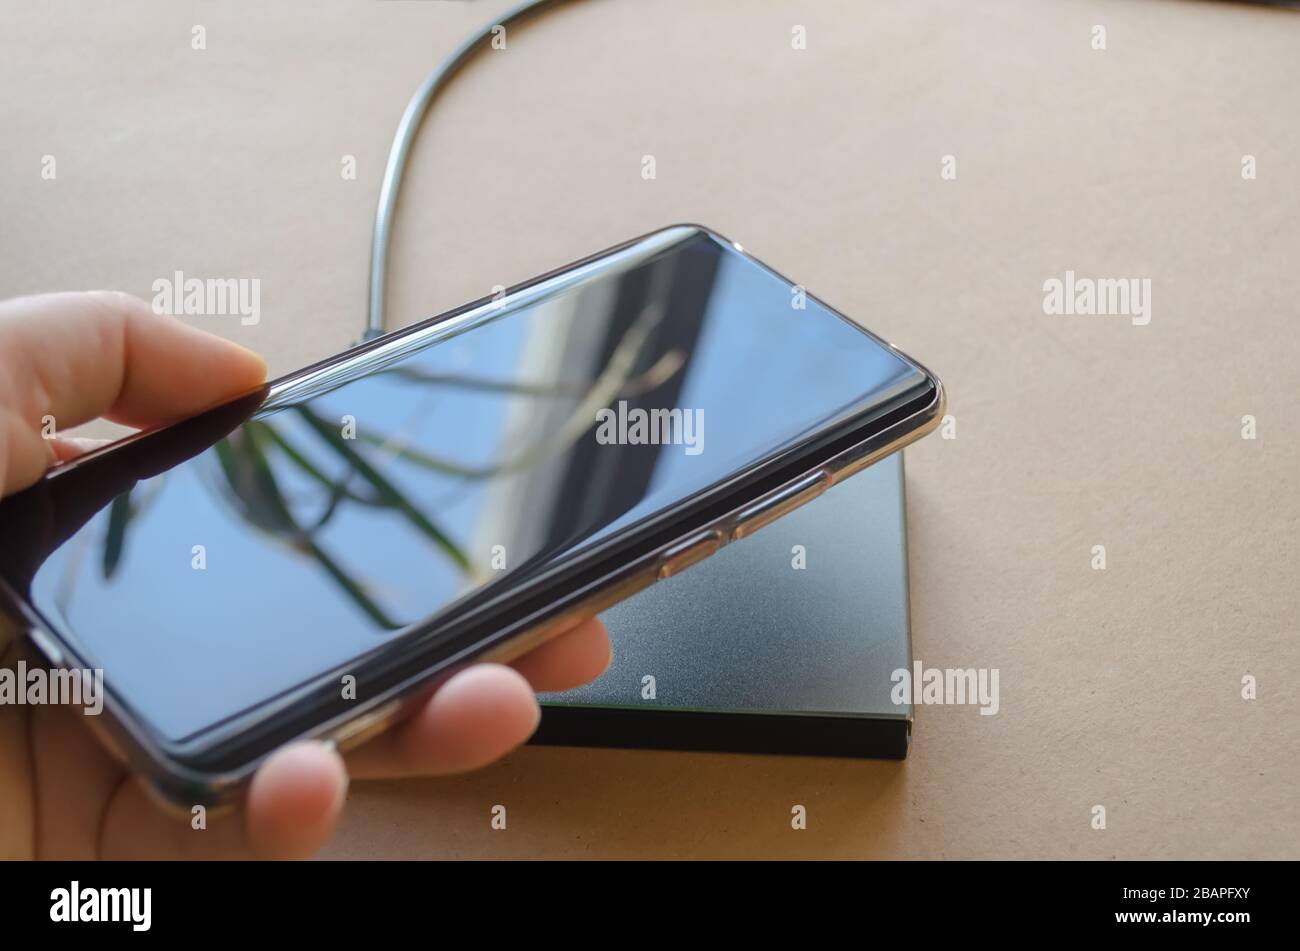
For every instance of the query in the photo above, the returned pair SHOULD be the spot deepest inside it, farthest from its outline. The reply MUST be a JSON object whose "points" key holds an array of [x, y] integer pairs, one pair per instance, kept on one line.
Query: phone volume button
{"points": [[684, 554], [769, 509]]}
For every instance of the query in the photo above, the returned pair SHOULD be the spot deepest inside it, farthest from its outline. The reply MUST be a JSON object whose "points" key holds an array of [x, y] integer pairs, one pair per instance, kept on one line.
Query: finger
{"points": [[479, 715], [290, 809], [77, 356], [568, 661], [295, 800]]}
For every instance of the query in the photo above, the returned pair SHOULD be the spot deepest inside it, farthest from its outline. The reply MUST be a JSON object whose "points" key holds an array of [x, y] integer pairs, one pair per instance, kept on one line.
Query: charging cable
{"points": [[415, 112]]}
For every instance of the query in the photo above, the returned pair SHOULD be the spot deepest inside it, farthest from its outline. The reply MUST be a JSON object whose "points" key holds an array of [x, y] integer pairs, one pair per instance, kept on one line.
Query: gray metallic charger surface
{"points": [[750, 653]]}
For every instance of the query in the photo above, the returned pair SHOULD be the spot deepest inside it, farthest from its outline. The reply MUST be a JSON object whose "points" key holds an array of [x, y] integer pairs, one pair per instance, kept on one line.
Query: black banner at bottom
{"points": [[335, 899]]}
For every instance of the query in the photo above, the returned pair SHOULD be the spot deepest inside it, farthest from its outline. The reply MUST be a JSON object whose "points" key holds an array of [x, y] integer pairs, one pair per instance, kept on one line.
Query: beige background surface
{"points": [[1119, 687]]}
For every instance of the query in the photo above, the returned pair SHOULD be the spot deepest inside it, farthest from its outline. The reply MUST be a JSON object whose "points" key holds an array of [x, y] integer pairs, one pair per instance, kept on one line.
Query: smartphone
{"points": [[313, 558]]}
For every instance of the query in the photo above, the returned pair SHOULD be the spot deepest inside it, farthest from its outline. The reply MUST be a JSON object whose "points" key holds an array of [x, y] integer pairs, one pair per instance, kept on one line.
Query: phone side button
{"points": [[768, 510], [684, 554]]}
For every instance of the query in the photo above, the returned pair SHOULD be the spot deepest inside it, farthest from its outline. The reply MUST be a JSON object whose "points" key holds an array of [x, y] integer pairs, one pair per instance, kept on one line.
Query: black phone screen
{"points": [[210, 566]]}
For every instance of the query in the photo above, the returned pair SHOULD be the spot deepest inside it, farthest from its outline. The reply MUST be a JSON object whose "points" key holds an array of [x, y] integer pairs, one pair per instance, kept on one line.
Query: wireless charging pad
{"points": [[784, 642]]}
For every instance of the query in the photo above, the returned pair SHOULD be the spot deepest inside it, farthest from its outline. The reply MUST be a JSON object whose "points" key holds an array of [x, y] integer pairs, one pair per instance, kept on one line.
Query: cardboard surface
{"points": [[1119, 687]]}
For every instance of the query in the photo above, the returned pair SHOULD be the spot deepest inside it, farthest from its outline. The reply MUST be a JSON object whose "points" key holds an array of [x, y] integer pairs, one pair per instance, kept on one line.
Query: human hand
{"points": [[81, 356]]}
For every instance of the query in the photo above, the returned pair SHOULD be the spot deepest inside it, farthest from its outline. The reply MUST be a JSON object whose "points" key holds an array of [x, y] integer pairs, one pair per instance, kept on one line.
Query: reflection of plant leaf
{"points": [[119, 516], [338, 487], [466, 382], [301, 461], [122, 510], [244, 464], [614, 379], [353, 589], [254, 486], [669, 363], [394, 447], [383, 488]]}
